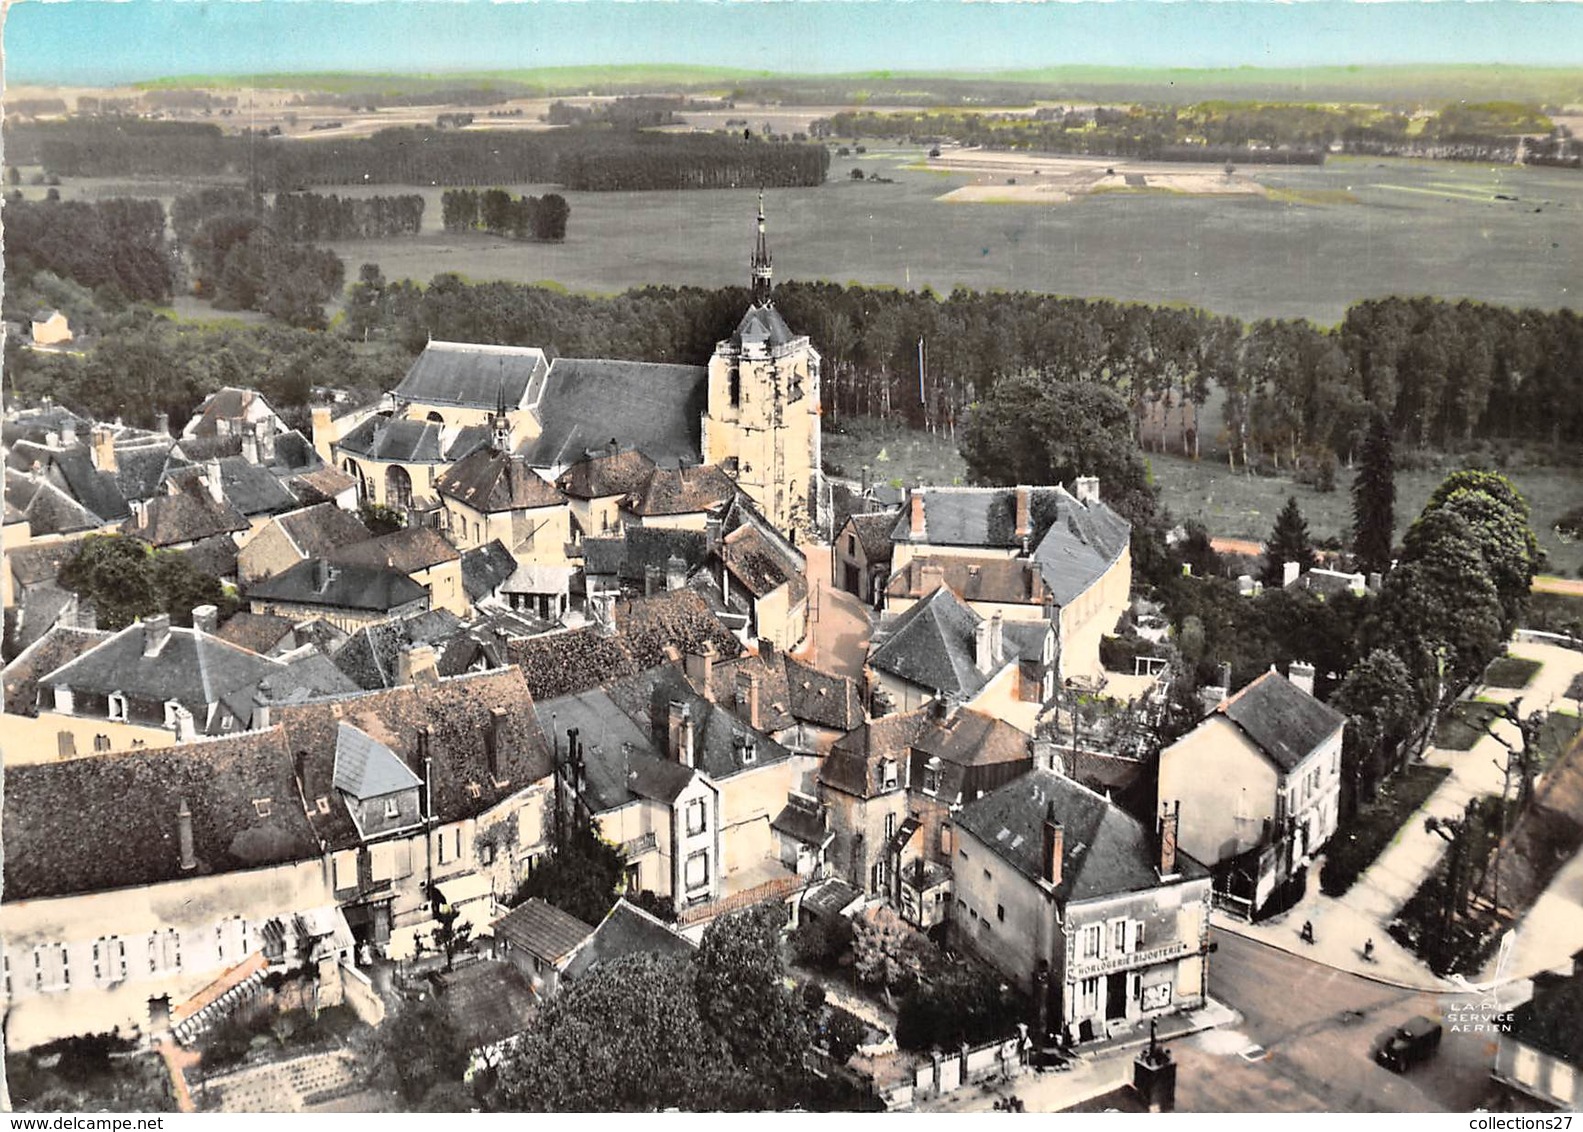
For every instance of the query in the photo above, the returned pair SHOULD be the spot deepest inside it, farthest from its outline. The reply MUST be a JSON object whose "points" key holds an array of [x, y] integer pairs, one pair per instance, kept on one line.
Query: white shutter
{"points": [[1134, 935], [382, 861], [346, 869]]}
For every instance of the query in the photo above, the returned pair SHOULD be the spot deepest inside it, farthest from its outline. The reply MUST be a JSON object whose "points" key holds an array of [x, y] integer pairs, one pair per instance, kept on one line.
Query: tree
{"points": [[1289, 542], [581, 877], [884, 950], [451, 935], [422, 1048], [126, 581], [1378, 696], [969, 1004], [379, 519], [1374, 499], [843, 1033], [1496, 518], [740, 982], [821, 941]]}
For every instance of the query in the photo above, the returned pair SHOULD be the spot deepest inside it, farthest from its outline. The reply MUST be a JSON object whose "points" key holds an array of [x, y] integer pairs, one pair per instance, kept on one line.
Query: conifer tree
{"points": [[1374, 499], [1289, 542]]}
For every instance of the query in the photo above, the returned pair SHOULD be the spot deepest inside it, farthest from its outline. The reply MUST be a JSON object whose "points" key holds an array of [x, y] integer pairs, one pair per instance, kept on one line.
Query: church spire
{"points": [[762, 281]]}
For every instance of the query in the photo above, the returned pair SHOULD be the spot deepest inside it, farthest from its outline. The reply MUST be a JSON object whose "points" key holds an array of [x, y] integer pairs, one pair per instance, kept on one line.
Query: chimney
{"points": [[68, 433], [1170, 817], [139, 513], [211, 476], [983, 654], [713, 527], [266, 444], [321, 575], [323, 432], [102, 448], [766, 649], [1024, 527], [299, 771], [748, 697], [156, 631], [1290, 572], [1087, 490], [675, 572], [1054, 846], [186, 730], [250, 446], [261, 698], [701, 669], [997, 639], [931, 576], [184, 837], [162, 423], [205, 618], [653, 580], [416, 663], [494, 740], [602, 609], [917, 530], [679, 733], [1301, 674]]}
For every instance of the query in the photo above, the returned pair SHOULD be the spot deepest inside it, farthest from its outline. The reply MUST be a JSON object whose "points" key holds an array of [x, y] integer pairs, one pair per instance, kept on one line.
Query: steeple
{"points": [[762, 282], [500, 423]]}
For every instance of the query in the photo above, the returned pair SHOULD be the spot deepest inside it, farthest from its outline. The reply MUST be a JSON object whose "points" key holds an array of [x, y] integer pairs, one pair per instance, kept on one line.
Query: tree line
{"points": [[303, 217], [585, 158], [499, 213], [116, 244]]}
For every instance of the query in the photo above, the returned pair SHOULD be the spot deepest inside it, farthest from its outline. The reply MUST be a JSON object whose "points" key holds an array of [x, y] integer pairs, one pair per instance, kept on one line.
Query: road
{"points": [[1319, 1026]]}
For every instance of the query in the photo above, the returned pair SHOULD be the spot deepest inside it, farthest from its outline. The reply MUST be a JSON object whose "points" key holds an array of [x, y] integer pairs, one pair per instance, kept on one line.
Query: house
{"points": [[1104, 921], [400, 651], [539, 940], [490, 1004], [253, 489], [642, 560], [757, 575], [1259, 785], [491, 494], [754, 412], [1540, 1051], [942, 647], [316, 531], [679, 498], [860, 555], [260, 632], [596, 486], [771, 691], [423, 555], [193, 508], [625, 930], [348, 597], [485, 571], [233, 412], [1081, 548], [50, 328], [140, 878]]}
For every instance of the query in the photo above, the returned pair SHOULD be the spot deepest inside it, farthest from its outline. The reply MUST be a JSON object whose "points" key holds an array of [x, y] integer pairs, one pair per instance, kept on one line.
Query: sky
{"points": [[95, 42]]}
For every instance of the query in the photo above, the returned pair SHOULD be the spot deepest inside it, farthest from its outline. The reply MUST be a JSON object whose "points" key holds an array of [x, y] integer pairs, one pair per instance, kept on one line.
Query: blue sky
{"points": [[85, 41]]}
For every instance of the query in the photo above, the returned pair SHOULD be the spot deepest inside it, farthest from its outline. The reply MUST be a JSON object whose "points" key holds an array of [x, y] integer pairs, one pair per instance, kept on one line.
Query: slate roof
{"points": [[354, 586], [820, 698], [365, 768], [1107, 851], [39, 562], [718, 735], [656, 408], [457, 712], [829, 897], [320, 485], [619, 759], [229, 403], [472, 376], [370, 657], [873, 534], [626, 930], [932, 645], [319, 530], [257, 632], [485, 568], [1079, 545], [489, 1001], [214, 556], [1281, 719], [57, 647], [192, 668], [191, 514], [763, 324], [71, 469], [409, 550], [680, 491], [847, 766], [488, 480], [798, 823], [38, 610], [412, 442], [1008, 581], [629, 557], [1549, 1021], [48, 509], [131, 801], [608, 474], [542, 929], [251, 489]]}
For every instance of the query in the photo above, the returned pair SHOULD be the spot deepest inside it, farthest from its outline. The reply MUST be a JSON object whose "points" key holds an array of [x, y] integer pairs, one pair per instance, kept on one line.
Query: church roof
{"points": [[472, 376], [488, 480], [654, 407], [763, 323]]}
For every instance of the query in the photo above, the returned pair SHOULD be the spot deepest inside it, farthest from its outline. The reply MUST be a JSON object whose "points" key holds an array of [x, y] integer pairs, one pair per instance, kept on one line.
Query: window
{"points": [[879, 875], [5, 966], [696, 874], [392, 810], [851, 544], [697, 816], [888, 773], [750, 751], [440, 838], [38, 968], [1091, 940], [65, 967], [945, 841], [1090, 994], [890, 826], [117, 706], [1000, 913], [486, 853], [1118, 936], [931, 776], [219, 942], [458, 845], [98, 960], [101, 743], [261, 807]]}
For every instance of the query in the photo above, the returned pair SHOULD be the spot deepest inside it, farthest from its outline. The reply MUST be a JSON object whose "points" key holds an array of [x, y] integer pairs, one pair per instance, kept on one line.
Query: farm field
{"points": [[1229, 504], [1314, 241]]}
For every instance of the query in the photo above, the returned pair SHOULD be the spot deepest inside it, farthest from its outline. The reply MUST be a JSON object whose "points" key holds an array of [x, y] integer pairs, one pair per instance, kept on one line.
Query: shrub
{"points": [[843, 1033], [820, 943], [969, 1005]]}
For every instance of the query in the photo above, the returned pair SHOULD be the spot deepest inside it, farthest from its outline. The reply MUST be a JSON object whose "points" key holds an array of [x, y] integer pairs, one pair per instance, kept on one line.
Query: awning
{"points": [[403, 943], [464, 894]]}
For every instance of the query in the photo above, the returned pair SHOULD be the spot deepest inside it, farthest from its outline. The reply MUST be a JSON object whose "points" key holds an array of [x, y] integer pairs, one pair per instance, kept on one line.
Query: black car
{"points": [[1414, 1041]]}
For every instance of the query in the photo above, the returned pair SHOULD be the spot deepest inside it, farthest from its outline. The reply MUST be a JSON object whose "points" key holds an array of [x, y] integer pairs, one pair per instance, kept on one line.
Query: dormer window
{"points": [[931, 776], [117, 706], [749, 751], [262, 807], [887, 770], [171, 708], [392, 810]]}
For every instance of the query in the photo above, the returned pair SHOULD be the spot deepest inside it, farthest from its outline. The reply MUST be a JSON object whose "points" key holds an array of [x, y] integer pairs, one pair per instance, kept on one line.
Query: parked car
{"points": [[1414, 1041]]}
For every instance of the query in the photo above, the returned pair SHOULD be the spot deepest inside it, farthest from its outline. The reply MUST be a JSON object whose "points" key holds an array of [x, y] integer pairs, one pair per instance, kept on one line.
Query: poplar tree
{"points": [[1374, 499]]}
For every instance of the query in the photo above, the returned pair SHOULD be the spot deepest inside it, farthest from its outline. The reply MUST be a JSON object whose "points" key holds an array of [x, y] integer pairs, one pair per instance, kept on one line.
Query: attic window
{"points": [[749, 751], [323, 803], [474, 790], [262, 806], [117, 706], [392, 808]]}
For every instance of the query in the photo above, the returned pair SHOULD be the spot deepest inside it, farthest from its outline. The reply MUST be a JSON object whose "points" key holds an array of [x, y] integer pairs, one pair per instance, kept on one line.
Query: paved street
{"points": [[1319, 1026], [839, 627]]}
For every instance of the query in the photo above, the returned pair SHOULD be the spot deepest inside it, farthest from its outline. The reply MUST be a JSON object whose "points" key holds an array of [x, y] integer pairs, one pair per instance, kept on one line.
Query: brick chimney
{"points": [[323, 432], [68, 434], [997, 639], [1087, 490], [139, 513], [653, 580], [1054, 846], [156, 631], [931, 576], [261, 696], [266, 444], [416, 663], [700, 666], [184, 837], [679, 733], [185, 728], [766, 649], [205, 618], [494, 742], [102, 448], [748, 697], [1024, 526], [918, 528], [1301, 674], [1170, 818], [1290, 572]]}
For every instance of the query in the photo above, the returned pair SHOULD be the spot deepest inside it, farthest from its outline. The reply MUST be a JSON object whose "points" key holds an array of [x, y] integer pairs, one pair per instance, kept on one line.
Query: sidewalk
{"points": [[1342, 925]]}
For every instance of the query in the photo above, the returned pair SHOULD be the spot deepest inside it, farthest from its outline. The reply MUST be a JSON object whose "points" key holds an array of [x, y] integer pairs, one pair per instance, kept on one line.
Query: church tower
{"points": [[762, 424]]}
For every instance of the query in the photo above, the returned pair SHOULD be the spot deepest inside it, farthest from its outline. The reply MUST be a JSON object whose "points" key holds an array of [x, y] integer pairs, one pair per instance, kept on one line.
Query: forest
{"points": [[588, 158], [499, 213]]}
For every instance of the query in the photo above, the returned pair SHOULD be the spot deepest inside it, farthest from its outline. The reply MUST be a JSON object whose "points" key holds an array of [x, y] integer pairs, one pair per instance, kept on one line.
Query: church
{"points": [[753, 411]]}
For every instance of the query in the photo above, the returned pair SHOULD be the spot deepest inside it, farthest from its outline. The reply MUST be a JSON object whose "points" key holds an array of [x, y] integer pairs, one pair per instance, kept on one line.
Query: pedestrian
{"points": [[1368, 951], [1307, 934]]}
